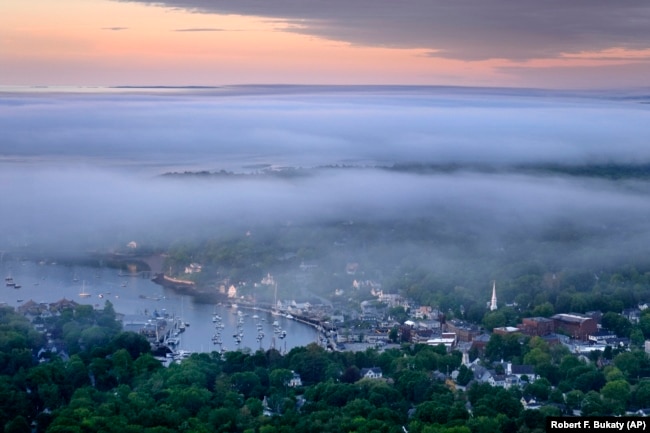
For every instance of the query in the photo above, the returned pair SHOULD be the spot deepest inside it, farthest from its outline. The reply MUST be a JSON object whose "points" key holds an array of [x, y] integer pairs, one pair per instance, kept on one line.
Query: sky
{"points": [[494, 43]]}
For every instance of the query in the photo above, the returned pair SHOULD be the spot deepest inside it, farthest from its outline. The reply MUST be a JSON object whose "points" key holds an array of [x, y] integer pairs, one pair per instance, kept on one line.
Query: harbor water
{"points": [[139, 299]]}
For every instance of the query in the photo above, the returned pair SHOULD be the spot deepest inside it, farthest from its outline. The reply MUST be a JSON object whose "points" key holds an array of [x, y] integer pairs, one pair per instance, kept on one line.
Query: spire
{"points": [[493, 301]]}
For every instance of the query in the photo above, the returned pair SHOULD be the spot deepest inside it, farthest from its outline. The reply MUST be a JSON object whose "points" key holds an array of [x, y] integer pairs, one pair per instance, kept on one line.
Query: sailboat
{"points": [[83, 292]]}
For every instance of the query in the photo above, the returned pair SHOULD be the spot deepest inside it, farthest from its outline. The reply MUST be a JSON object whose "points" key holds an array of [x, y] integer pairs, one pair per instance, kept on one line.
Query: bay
{"points": [[139, 298]]}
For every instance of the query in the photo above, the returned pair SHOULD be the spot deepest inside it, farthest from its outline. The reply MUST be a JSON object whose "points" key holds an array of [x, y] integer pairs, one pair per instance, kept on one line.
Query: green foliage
{"points": [[111, 383]]}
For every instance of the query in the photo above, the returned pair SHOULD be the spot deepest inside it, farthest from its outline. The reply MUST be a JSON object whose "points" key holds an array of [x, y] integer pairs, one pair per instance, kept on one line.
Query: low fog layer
{"points": [[83, 171]]}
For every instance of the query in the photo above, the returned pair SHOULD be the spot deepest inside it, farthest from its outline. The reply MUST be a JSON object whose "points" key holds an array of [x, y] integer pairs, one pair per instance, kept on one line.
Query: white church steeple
{"points": [[493, 301]]}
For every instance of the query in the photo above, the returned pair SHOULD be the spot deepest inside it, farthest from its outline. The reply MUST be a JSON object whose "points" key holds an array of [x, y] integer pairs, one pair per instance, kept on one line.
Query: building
{"points": [[575, 325], [601, 337], [449, 340], [493, 301], [464, 330], [371, 373], [520, 371], [632, 314], [295, 380], [536, 326], [193, 268], [506, 330]]}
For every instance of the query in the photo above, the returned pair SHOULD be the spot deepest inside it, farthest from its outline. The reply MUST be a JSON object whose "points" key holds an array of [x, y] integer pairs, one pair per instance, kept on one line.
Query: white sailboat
{"points": [[83, 292]]}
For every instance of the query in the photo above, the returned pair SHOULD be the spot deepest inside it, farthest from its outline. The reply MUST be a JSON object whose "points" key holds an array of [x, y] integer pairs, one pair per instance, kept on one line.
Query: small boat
{"points": [[17, 286], [83, 292]]}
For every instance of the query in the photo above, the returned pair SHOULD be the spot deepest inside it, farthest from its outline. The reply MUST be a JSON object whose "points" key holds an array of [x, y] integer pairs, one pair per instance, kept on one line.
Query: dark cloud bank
{"points": [[83, 170], [462, 29]]}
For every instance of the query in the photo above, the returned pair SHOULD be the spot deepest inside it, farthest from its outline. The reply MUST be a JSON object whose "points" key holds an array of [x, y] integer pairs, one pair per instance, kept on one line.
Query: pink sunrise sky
{"points": [[578, 44]]}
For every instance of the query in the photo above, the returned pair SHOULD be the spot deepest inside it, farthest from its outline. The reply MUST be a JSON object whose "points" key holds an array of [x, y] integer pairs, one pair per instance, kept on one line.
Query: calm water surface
{"points": [[138, 298]]}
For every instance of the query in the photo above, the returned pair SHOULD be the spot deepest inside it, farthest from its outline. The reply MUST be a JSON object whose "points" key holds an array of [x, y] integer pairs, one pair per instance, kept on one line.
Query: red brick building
{"points": [[575, 325], [465, 331], [536, 326]]}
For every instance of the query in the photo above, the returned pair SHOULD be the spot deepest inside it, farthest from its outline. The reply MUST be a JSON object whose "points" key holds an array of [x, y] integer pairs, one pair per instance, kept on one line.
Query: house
{"points": [[496, 379], [529, 403], [521, 370], [512, 375], [266, 408], [423, 312], [632, 314], [193, 268], [295, 380], [371, 373], [62, 304]]}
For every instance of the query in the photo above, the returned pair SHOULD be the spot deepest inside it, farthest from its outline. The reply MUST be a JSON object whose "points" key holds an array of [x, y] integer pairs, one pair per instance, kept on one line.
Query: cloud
{"points": [[116, 29], [461, 29], [630, 74], [199, 29]]}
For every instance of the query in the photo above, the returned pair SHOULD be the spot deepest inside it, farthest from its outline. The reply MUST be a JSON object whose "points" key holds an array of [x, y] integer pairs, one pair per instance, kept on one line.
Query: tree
{"points": [[574, 399], [641, 395], [123, 369], [540, 389], [393, 335], [398, 314], [617, 323], [618, 393], [134, 343], [636, 337], [351, 374], [543, 310], [494, 319], [537, 357], [629, 363], [503, 347], [280, 377], [18, 425], [592, 405], [465, 375]]}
